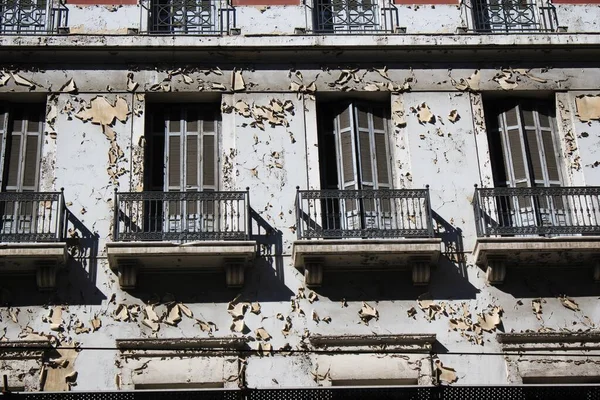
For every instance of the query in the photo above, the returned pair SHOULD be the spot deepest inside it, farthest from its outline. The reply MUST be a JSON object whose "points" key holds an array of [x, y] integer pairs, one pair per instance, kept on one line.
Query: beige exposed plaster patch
{"points": [[101, 112], [19, 80], [470, 83], [588, 107], [60, 373], [445, 374], [237, 81], [69, 87]]}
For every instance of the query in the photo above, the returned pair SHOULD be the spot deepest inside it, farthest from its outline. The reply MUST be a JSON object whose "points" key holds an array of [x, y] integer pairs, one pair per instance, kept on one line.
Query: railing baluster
{"points": [[537, 210]]}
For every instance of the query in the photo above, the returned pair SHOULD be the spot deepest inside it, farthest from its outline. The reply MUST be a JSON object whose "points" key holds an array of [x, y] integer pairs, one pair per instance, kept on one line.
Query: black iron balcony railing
{"points": [[549, 211], [38, 17], [32, 217], [190, 17], [510, 16], [181, 216], [354, 16], [385, 213]]}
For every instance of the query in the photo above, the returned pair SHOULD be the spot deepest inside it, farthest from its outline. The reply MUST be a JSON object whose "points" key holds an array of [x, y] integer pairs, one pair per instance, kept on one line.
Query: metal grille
{"points": [[371, 393], [385, 213], [354, 16], [525, 392], [500, 16], [537, 211], [200, 17], [32, 217], [32, 16], [181, 216]]}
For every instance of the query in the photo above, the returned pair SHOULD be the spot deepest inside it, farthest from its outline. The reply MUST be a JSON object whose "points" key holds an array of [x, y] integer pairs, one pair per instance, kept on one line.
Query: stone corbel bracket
{"points": [[128, 259], [41, 259], [496, 254], [367, 255]]}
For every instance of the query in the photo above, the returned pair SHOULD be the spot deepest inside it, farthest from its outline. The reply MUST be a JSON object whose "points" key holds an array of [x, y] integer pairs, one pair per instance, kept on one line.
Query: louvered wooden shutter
{"points": [[345, 138]]}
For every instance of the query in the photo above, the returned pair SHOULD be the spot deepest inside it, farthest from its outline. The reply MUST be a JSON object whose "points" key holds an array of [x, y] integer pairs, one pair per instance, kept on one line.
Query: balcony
{"points": [[187, 17], [549, 226], [181, 232], [354, 17], [32, 237], [365, 230], [29, 17], [510, 16]]}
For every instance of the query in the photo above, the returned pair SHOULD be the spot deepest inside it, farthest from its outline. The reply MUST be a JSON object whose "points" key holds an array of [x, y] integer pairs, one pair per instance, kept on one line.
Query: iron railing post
{"points": [[248, 215], [298, 210], [61, 215], [429, 216], [116, 217]]}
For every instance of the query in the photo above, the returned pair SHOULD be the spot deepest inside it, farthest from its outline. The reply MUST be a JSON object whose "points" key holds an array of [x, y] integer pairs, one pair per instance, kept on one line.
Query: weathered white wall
{"points": [[449, 156], [281, 20]]}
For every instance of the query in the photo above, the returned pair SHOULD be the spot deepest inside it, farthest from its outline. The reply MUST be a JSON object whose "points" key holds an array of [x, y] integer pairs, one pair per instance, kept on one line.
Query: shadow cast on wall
{"points": [[264, 280], [75, 283]]}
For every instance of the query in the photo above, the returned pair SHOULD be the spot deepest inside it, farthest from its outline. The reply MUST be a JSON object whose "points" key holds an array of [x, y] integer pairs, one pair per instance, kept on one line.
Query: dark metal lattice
{"points": [[384, 213], [505, 392], [32, 16], [32, 217], [193, 17], [181, 216], [498, 16], [537, 211], [354, 16]]}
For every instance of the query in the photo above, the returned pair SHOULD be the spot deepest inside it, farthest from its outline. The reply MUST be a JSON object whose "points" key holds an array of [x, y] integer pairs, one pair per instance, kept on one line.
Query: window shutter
{"points": [[344, 130], [174, 163], [534, 154], [383, 176], [14, 161], [31, 163], [208, 161], [550, 153], [192, 162], [515, 160]]}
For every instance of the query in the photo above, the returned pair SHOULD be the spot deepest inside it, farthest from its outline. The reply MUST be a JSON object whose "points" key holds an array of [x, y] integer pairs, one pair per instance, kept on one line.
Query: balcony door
{"points": [[21, 128], [506, 15], [24, 16], [355, 158], [182, 163], [183, 16], [523, 151], [346, 16]]}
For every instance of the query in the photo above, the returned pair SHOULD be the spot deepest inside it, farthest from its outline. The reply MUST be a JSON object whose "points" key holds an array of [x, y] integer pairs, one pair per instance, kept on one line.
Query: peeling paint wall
{"points": [[94, 143]]}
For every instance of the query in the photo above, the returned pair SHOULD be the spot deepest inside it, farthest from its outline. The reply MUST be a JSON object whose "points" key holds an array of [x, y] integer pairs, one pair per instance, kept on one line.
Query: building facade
{"points": [[274, 194]]}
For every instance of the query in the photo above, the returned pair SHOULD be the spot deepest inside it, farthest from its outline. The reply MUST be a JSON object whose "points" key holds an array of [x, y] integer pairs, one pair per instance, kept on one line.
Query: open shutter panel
{"points": [[515, 160], [345, 132], [536, 158], [14, 157], [551, 157], [383, 176]]}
